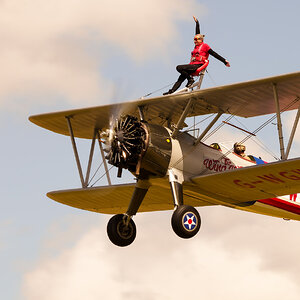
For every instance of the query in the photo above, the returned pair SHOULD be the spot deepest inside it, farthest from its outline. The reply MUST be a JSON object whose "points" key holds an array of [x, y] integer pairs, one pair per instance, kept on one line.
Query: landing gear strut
{"points": [[185, 220]]}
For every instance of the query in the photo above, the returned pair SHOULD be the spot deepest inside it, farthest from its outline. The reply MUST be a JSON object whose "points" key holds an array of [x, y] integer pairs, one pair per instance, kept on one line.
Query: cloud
{"points": [[57, 49], [235, 255]]}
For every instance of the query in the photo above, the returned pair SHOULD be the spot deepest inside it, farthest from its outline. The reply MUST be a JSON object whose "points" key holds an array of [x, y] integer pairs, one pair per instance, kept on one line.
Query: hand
{"points": [[227, 63], [195, 19]]}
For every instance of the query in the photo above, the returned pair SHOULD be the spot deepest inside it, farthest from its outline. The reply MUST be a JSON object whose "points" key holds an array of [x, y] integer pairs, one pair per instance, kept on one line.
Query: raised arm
{"points": [[197, 25]]}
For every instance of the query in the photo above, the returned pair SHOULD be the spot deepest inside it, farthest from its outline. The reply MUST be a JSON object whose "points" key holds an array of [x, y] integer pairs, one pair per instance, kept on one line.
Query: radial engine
{"points": [[142, 148]]}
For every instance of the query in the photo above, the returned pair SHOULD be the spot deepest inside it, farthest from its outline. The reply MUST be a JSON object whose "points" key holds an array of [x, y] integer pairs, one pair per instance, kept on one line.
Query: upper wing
{"points": [[252, 183], [246, 99], [115, 199]]}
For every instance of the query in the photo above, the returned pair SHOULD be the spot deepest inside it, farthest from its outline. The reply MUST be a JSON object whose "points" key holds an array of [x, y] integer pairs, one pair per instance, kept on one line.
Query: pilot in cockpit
{"points": [[240, 149]]}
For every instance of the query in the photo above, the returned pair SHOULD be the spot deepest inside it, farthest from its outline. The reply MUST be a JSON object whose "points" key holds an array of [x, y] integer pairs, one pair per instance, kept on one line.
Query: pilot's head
{"points": [[239, 148], [215, 145]]}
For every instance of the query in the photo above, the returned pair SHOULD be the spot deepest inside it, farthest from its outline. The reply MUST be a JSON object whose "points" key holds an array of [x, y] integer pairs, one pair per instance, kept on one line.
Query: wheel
{"points": [[186, 221], [120, 234]]}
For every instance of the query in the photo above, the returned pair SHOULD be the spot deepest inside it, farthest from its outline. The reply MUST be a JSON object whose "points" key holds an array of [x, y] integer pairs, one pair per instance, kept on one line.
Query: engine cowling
{"points": [[142, 148]]}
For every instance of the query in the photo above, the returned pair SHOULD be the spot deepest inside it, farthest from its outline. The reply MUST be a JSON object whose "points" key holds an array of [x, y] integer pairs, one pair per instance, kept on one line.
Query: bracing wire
{"points": [[210, 77], [95, 173], [217, 128], [199, 122], [102, 176], [149, 94], [259, 142], [271, 119]]}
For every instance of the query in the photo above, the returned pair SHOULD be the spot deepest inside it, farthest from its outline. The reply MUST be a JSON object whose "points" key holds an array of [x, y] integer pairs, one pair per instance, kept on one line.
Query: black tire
{"points": [[186, 221], [120, 234]]}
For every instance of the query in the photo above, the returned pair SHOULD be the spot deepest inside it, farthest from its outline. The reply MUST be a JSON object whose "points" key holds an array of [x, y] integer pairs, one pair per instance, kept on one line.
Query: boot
{"points": [[168, 92], [190, 82], [174, 87]]}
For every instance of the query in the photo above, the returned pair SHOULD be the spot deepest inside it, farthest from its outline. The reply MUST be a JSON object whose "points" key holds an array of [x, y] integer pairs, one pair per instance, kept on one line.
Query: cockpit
{"points": [[239, 149]]}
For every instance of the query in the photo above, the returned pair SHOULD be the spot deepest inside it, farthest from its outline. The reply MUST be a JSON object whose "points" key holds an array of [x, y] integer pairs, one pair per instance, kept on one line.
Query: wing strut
{"points": [[279, 125], [87, 176], [182, 118], [75, 151], [141, 112], [85, 181], [284, 154]]}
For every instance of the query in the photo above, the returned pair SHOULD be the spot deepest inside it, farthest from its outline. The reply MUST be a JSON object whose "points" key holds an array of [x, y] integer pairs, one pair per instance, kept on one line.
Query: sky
{"points": [[58, 55]]}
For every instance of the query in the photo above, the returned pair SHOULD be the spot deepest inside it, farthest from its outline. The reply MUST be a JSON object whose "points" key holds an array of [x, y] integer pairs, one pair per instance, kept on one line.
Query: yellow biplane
{"points": [[174, 169]]}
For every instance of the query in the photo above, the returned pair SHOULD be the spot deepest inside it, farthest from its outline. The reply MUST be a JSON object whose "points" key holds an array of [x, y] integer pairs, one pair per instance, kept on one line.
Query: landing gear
{"points": [[121, 230], [186, 221]]}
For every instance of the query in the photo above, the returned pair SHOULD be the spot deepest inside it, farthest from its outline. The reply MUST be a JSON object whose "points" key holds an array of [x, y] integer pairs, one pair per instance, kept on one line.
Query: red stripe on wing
{"points": [[282, 204]]}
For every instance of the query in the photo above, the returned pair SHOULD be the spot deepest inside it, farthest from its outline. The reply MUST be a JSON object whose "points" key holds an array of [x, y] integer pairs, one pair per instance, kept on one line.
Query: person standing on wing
{"points": [[199, 55]]}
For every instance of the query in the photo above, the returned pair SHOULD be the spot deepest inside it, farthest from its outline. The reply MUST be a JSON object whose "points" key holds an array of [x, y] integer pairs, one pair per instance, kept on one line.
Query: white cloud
{"points": [[56, 48], [246, 258]]}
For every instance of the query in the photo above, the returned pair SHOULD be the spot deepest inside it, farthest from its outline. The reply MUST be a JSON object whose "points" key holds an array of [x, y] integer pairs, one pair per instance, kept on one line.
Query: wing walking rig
{"points": [[145, 136]]}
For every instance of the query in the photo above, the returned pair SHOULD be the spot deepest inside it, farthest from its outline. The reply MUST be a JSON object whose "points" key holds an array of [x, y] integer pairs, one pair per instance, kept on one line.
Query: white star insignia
{"points": [[190, 222]]}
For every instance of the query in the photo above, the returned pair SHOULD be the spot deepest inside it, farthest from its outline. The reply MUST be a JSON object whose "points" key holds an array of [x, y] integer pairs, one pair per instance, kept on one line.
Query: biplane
{"points": [[175, 170]]}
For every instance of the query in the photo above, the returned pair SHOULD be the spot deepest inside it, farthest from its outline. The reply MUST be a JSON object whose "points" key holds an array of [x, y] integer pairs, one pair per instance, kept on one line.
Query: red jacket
{"points": [[200, 54]]}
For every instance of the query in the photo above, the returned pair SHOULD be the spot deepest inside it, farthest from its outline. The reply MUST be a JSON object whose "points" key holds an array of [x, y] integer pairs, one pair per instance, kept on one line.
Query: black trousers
{"points": [[185, 72]]}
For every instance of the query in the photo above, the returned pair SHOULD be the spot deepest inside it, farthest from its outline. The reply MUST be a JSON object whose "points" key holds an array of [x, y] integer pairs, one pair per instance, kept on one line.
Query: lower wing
{"points": [[114, 199]]}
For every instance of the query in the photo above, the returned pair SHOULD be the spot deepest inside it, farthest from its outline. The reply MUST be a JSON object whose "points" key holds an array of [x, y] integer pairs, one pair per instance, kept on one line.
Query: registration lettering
{"points": [[276, 178]]}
